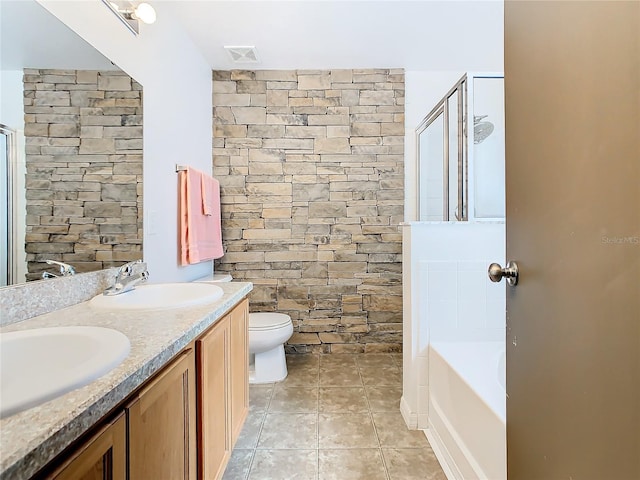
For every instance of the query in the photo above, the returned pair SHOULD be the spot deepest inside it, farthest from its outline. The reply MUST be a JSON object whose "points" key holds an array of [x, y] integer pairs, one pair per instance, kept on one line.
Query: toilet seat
{"points": [[268, 321]]}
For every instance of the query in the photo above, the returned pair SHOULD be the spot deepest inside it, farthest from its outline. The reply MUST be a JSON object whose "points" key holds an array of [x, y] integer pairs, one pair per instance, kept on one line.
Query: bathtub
{"points": [[467, 409]]}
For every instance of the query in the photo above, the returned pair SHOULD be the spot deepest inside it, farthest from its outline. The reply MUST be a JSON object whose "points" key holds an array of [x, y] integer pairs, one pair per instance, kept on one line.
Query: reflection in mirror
{"points": [[79, 156]]}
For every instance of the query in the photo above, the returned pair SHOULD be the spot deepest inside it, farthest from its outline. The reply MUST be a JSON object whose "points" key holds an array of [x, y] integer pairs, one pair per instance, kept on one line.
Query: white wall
{"points": [[11, 95], [177, 105]]}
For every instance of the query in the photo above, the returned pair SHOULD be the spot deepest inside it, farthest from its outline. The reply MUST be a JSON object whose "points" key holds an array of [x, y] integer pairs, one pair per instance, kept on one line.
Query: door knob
{"points": [[510, 272]]}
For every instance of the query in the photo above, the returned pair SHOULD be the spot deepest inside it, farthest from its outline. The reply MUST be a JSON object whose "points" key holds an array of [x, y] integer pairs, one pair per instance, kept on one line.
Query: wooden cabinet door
{"points": [[162, 424], [239, 363], [213, 400], [103, 457]]}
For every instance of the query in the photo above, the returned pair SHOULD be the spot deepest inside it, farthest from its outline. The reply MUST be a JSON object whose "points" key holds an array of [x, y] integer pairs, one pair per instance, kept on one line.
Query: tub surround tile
{"points": [[30, 439]]}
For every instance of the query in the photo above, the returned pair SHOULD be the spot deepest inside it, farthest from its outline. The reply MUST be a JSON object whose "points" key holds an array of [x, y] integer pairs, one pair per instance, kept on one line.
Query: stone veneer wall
{"points": [[83, 134], [311, 170]]}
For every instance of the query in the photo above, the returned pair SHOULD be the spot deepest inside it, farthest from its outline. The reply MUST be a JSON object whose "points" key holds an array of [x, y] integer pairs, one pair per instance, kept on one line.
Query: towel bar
{"points": [[181, 168]]}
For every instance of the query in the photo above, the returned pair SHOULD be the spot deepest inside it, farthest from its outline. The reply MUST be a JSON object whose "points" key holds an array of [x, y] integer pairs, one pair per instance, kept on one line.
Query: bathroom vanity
{"points": [[173, 409]]}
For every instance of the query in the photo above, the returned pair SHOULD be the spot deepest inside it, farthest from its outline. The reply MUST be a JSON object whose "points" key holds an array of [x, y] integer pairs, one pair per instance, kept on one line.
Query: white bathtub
{"points": [[467, 409]]}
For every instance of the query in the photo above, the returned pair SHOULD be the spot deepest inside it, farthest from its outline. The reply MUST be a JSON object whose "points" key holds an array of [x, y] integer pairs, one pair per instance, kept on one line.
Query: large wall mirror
{"points": [[71, 150]]}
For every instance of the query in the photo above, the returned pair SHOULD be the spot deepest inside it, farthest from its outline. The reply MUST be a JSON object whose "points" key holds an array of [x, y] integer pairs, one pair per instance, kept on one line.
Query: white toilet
{"points": [[267, 334]]}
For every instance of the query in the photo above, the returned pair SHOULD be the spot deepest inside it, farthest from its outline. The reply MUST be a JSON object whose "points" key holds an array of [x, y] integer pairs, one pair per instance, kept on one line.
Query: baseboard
{"points": [[410, 418]]}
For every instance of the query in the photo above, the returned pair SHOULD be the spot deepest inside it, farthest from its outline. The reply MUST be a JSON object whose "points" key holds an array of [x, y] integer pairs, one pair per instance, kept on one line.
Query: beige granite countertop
{"points": [[30, 439]]}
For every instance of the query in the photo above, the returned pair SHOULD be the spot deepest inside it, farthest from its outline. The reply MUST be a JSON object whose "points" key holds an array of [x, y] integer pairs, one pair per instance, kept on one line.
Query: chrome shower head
{"points": [[481, 130]]}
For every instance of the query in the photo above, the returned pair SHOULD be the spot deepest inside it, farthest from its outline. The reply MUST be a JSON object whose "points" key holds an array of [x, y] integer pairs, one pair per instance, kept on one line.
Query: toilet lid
{"points": [[268, 321]]}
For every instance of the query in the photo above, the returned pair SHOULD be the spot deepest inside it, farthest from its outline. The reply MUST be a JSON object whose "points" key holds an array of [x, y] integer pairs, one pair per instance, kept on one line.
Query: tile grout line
{"points": [[318, 422], [375, 429], [264, 419]]}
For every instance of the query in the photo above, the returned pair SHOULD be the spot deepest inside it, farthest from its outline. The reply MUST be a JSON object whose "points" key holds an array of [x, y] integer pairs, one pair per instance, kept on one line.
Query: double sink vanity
{"points": [[151, 383]]}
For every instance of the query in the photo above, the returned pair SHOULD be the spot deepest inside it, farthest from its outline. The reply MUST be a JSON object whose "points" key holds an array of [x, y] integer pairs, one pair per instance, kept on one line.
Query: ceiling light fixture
{"points": [[131, 14]]}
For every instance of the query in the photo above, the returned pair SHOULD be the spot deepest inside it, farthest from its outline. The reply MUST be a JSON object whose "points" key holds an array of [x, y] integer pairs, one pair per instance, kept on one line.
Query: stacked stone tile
{"points": [[311, 170], [83, 133]]}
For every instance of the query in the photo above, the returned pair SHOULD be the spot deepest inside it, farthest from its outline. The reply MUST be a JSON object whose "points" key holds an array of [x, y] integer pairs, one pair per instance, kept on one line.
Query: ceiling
{"points": [[288, 34], [312, 34], [30, 37]]}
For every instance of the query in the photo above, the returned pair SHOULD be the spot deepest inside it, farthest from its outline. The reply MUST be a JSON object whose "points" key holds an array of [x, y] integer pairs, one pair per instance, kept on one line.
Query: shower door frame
{"points": [[10, 182], [471, 163], [442, 107]]}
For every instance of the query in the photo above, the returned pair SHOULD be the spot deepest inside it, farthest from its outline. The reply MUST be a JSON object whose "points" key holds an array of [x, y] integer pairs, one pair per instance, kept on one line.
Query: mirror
{"points": [[76, 166]]}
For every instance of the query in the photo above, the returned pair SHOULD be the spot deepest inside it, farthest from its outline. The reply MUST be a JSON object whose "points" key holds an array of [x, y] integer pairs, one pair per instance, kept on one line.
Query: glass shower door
{"points": [[442, 160]]}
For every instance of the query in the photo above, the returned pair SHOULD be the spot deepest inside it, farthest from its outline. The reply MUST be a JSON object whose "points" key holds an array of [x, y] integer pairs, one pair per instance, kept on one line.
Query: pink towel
{"points": [[200, 227]]}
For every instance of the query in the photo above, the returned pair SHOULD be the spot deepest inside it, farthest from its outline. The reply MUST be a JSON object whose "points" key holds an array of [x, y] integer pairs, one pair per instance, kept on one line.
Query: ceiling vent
{"points": [[242, 54]]}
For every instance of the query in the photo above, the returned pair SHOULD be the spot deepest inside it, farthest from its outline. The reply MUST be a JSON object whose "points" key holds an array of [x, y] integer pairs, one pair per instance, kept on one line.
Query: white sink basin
{"points": [[160, 296], [41, 364]]}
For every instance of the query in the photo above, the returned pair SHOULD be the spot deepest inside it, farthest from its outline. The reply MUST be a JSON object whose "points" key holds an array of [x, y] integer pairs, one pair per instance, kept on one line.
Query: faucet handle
{"points": [[65, 269], [132, 268]]}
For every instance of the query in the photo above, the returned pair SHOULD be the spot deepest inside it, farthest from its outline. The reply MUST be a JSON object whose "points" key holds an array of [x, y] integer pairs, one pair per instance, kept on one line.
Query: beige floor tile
{"points": [[251, 430], [284, 465], [259, 397], [280, 441], [397, 357], [302, 360], [384, 398], [375, 360], [294, 399], [289, 430], [351, 464], [388, 375], [340, 377], [302, 371], [412, 464], [238, 466], [393, 432], [343, 400], [346, 430], [337, 361]]}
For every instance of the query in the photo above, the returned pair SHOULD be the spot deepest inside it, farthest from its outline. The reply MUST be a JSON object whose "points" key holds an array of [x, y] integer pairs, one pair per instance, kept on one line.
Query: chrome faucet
{"points": [[66, 270], [128, 276]]}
